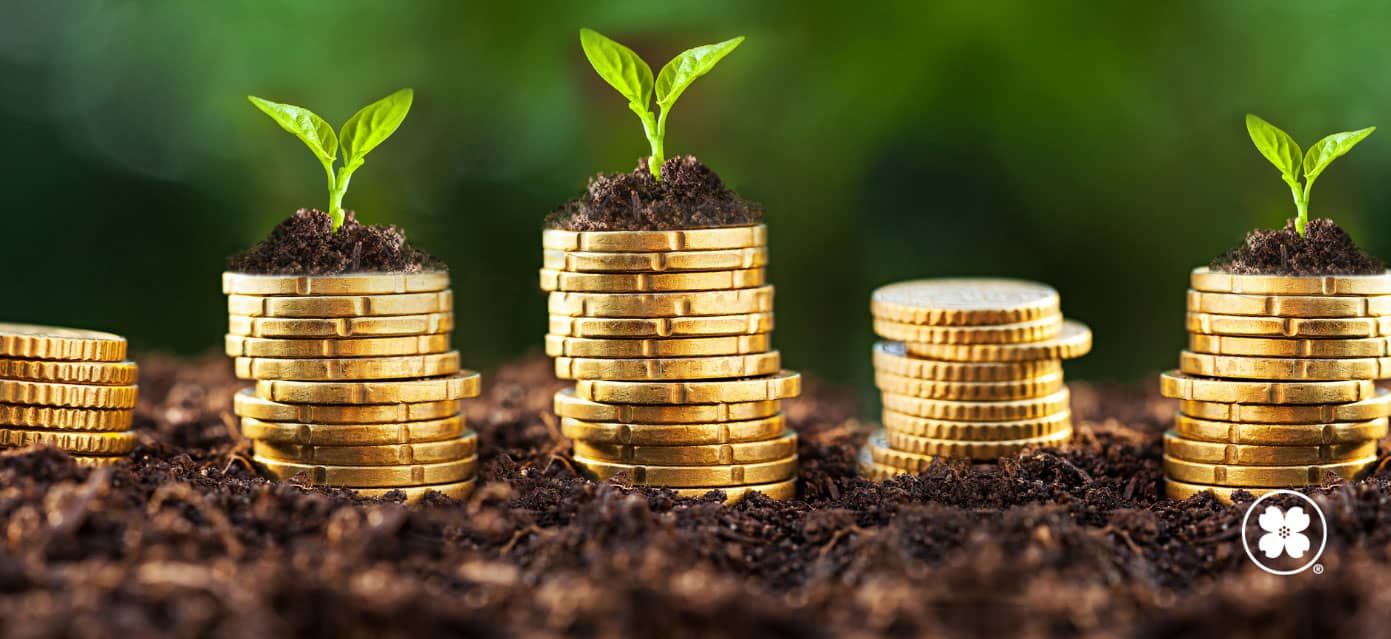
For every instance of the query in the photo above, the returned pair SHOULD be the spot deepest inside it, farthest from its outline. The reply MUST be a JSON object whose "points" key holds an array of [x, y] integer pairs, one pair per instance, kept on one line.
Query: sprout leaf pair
{"points": [[1278, 147]]}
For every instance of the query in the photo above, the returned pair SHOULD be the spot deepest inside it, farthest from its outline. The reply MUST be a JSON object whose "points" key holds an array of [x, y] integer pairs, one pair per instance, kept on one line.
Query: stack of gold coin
{"points": [[971, 368], [668, 336], [67, 388], [1277, 382], [356, 385]]}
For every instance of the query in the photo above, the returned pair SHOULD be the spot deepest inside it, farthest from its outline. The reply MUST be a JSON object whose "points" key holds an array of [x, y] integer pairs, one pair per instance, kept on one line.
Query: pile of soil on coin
{"points": [[305, 244], [186, 540], [1326, 249], [688, 196]]}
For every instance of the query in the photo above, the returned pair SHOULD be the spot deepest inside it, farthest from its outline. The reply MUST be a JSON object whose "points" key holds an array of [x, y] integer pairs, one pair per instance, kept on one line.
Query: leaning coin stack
{"points": [[972, 368], [1277, 382], [668, 336], [67, 388], [356, 386]]}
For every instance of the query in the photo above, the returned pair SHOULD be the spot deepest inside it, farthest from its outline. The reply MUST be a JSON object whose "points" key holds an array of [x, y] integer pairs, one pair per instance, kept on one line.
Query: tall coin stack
{"points": [[67, 388], [971, 368], [1277, 382], [356, 386], [668, 334]]}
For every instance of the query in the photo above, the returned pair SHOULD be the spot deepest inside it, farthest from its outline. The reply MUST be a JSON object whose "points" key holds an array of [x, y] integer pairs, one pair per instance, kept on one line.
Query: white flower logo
{"points": [[1284, 532]]}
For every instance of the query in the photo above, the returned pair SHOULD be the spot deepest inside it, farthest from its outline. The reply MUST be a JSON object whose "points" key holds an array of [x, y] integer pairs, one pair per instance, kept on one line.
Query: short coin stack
{"points": [[1277, 382], [69, 389], [356, 385], [972, 368], [668, 334]]}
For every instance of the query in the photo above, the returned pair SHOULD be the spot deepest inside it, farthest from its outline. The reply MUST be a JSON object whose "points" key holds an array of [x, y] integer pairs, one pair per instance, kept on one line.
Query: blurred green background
{"points": [[1095, 146]]}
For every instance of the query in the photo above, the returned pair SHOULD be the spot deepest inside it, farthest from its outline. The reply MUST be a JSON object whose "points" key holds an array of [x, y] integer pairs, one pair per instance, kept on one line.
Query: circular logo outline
{"points": [[1246, 545]]}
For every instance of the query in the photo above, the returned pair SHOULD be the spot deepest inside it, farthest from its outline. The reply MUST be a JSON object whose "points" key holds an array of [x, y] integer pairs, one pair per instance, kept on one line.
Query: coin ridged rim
{"points": [[452, 490], [975, 431], [348, 368], [1204, 279], [777, 491], [693, 476], [648, 305], [372, 476], [892, 357], [751, 452], [553, 280], [101, 443], [655, 261], [417, 432], [875, 471], [978, 450], [663, 327], [927, 302], [1074, 340], [1305, 306], [669, 368], [319, 328], [246, 404], [999, 411], [743, 236], [234, 283], [98, 461], [567, 404], [462, 385], [561, 346], [96, 373], [1373, 408], [731, 432], [1032, 331], [1196, 450], [444, 450], [1177, 385], [1261, 476], [1284, 368], [67, 395], [32, 341], [79, 419], [968, 391], [321, 306], [781, 385], [242, 346], [1179, 491], [1272, 434], [1279, 347], [1251, 326]]}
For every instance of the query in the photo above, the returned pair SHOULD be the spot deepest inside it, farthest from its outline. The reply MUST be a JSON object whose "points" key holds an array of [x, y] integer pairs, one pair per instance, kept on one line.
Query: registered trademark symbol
{"points": [[1318, 569]]}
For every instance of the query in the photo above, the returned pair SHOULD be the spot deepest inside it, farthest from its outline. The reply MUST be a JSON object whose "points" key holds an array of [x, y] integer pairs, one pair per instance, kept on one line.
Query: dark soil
{"points": [[305, 244], [688, 196], [187, 541], [1326, 249]]}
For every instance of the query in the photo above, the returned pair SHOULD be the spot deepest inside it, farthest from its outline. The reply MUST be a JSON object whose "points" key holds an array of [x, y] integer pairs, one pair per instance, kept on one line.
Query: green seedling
{"points": [[627, 72], [1278, 147], [361, 133]]}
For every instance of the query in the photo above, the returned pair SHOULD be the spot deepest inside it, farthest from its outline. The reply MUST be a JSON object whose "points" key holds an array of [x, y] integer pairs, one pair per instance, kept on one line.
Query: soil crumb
{"points": [[689, 196], [1325, 250], [305, 244]]}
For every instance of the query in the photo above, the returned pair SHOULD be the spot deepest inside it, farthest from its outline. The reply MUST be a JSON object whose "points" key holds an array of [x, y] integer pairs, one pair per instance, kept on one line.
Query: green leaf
{"points": [[1323, 152], [1276, 145], [374, 124], [308, 127], [687, 66], [619, 67]]}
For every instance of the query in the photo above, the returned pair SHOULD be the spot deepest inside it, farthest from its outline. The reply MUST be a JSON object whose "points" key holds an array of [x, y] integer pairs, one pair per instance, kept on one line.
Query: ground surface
{"points": [[187, 541]]}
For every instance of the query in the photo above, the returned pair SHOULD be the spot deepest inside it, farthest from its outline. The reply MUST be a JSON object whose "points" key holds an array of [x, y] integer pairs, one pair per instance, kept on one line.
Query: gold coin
{"points": [[1243, 325], [568, 405], [904, 443], [1180, 386], [976, 431], [247, 404], [673, 368], [239, 346], [892, 357], [93, 461], [99, 373], [1074, 340], [1204, 279], [1261, 476], [655, 261], [1032, 331], [755, 452], [288, 433], [693, 476], [759, 389], [1268, 347], [341, 306], [396, 325], [453, 490], [358, 368], [90, 443], [1279, 434], [875, 471], [28, 341], [1288, 305], [882, 455], [558, 346], [964, 302], [65, 418], [706, 326], [372, 476], [1264, 455], [380, 455], [777, 490], [970, 391], [1180, 491], [350, 284], [67, 395], [1378, 406], [729, 237], [673, 434], [648, 305], [1281, 368], [461, 385], [1002, 411], [552, 280]]}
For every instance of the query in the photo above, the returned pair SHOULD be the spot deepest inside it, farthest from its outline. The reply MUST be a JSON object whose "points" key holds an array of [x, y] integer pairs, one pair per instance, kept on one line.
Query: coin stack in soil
{"points": [[356, 385], [970, 368], [1277, 382], [668, 336], [67, 388]]}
